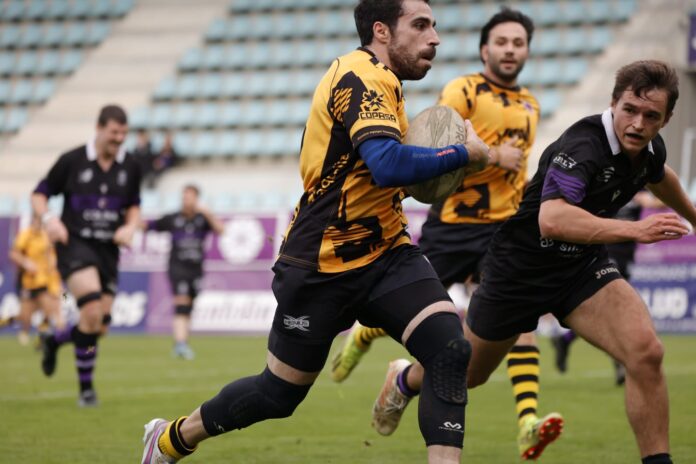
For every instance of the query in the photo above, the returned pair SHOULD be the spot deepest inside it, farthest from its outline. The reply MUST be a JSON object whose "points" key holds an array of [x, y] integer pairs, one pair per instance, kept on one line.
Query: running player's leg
{"points": [[616, 320], [354, 346], [50, 303], [27, 306]]}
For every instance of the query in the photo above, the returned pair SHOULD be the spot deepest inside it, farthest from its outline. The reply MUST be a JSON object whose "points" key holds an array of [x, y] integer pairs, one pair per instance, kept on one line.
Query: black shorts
{"points": [[80, 253], [456, 250], [503, 307], [314, 307], [185, 283]]}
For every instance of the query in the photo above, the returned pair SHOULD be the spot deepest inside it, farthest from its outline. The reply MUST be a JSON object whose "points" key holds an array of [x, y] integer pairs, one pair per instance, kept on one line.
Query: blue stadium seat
{"points": [[52, 35], [36, 10], [546, 13], [550, 101], [214, 57], [233, 86], [31, 36], [22, 92], [204, 145], [573, 71], [260, 27], [598, 11], [259, 56], [192, 60], [299, 112], [283, 54], [79, 9], [27, 64], [183, 144], [13, 11], [97, 33], [231, 115], [548, 72], [547, 42], [211, 86], [70, 61], [101, 9], [139, 118], [277, 113], [236, 56], [600, 38], [43, 90], [574, 41], [208, 116], [5, 91], [187, 87], [10, 36], [57, 10], [166, 89], [216, 31], [76, 35], [7, 63], [161, 117], [121, 8], [49, 63], [238, 28], [184, 116], [621, 10], [228, 144], [253, 144], [257, 85], [255, 112], [573, 12], [16, 119]]}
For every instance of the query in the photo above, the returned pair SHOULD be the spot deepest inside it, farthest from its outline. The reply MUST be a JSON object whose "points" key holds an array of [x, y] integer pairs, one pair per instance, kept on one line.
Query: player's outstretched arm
{"points": [[216, 224], [56, 230], [124, 234], [671, 193], [560, 220]]}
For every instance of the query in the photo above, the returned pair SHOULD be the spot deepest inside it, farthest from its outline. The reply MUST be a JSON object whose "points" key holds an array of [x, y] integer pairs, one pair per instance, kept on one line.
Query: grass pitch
{"points": [[137, 380]]}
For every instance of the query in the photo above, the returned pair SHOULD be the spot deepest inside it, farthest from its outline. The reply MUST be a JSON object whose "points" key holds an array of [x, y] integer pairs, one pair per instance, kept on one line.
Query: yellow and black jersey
{"points": [[344, 220], [36, 246], [498, 114]]}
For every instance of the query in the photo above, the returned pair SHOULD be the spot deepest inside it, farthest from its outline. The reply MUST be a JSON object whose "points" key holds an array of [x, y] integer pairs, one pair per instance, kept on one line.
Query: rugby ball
{"points": [[436, 126]]}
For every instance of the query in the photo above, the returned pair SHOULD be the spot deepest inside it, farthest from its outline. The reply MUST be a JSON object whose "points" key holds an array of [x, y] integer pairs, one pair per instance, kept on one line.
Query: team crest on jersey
{"points": [[606, 174], [565, 161], [122, 178], [85, 176], [371, 106]]}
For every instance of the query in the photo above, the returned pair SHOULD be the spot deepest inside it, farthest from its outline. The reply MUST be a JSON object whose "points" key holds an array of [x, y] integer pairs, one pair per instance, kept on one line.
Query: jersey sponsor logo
{"points": [[372, 103], [324, 184], [103, 188], [300, 323], [606, 174], [565, 161], [85, 176], [605, 271], [615, 195]]}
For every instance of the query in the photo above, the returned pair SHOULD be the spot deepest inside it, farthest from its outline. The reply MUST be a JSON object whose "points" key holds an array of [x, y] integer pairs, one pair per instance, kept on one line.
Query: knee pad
{"points": [[250, 400], [184, 310], [448, 371], [88, 298]]}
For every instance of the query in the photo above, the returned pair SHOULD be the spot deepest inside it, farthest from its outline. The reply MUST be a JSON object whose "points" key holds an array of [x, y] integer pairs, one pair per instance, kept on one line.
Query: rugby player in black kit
{"points": [[100, 184], [550, 257], [188, 228]]}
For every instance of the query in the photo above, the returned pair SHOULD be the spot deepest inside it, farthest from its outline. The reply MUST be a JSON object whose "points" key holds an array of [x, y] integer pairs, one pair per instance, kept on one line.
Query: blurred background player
{"points": [[39, 281], [622, 254], [346, 254], [188, 228], [457, 232], [101, 188]]}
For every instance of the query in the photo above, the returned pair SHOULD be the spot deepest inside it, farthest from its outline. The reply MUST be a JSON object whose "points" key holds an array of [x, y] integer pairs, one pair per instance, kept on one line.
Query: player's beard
{"points": [[406, 65], [506, 76]]}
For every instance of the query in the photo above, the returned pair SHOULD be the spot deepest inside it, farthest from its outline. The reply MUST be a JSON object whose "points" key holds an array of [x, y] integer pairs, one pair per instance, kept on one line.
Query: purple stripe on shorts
{"points": [[571, 188]]}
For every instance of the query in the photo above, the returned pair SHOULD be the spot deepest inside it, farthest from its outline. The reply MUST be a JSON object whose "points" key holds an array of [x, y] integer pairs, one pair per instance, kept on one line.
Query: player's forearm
{"points": [[17, 258], [216, 224], [670, 192], [132, 217], [562, 221]]}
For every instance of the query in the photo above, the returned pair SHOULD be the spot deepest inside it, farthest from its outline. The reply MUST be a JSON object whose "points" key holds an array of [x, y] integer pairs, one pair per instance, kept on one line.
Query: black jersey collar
{"points": [[514, 88], [92, 151], [375, 60], [608, 123]]}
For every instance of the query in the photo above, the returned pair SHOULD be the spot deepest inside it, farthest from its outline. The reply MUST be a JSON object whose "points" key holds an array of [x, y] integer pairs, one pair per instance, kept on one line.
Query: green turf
{"points": [[138, 380]]}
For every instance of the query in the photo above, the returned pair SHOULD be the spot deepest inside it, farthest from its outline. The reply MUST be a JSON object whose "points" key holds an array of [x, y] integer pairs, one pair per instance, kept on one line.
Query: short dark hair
{"points": [[112, 113], [644, 75], [506, 15], [194, 188], [368, 12]]}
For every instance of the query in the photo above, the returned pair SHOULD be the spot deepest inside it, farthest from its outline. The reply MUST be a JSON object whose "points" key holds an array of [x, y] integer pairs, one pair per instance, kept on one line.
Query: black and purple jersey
{"points": [[95, 200], [188, 238], [586, 168]]}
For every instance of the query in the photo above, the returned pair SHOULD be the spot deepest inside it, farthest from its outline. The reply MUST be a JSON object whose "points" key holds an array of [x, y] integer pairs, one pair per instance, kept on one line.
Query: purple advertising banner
{"points": [[236, 294]]}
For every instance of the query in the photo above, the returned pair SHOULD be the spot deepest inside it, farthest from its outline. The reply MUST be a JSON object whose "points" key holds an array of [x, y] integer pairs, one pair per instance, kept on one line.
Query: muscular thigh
{"points": [[614, 319]]}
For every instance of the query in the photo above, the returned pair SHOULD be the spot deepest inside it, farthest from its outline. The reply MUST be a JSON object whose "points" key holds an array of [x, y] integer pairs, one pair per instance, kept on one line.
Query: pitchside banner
{"points": [[237, 296]]}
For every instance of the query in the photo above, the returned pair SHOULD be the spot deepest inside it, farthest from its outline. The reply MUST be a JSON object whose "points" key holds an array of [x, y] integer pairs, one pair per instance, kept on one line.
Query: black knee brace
{"points": [[250, 400], [88, 298], [184, 310], [438, 343]]}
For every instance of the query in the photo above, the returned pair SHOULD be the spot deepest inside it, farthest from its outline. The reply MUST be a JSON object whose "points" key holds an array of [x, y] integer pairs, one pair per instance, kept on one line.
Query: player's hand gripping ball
{"points": [[440, 126]]}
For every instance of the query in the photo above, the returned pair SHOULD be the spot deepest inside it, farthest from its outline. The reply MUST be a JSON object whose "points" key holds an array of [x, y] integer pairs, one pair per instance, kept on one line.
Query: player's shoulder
{"points": [[589, 128], [465, 81], [365, 66], [75, 154], [659, 147]]}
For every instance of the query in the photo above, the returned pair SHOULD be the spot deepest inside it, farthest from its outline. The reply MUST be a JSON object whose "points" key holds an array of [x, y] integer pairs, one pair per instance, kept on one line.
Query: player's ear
{"points": [[381, 32]]}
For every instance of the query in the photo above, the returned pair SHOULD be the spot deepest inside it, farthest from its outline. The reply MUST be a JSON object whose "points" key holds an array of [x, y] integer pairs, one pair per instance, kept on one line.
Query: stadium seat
{"points": [[600, 38], [211, 86], [232, 86], [79, 9], [139, 118], [31, 36], [574, 41], [208, 116], [52, 35], [299, 112], [546, 13], [573, 71], [549, 101], [76, 35], [5, 91], [548, 72], [547, 42], [252, 144], [16, 118], [27, 64], [183, 144], [10, 37], [184, 116], [13, 11], [69, 62], [255, 113], [49, 63], [57, 10], [621, 10], [231, 115], [161, 116], [22, 92], [191, 61], [204, 145], [97, 33], [573, 12], [214, 57], [166, 89], [7, 64], [43, 90], [121, 8], [36, 10], [187, 87]]}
